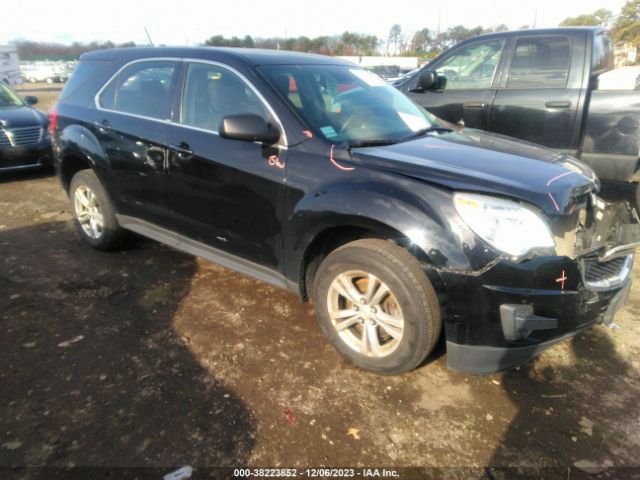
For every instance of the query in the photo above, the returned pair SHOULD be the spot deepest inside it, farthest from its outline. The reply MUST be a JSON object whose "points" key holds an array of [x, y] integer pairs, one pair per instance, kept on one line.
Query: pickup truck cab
{"points": [[540, 86], [317, 176]]}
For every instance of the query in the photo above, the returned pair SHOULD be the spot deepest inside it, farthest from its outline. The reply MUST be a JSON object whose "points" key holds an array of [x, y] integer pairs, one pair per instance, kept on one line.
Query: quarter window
{"points": [[212, 92], [141, 89], [542, 62], [471, 67]]}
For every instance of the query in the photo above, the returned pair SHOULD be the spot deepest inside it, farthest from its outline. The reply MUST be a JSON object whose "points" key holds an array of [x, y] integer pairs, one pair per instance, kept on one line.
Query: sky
{"points": [[190, 22]]}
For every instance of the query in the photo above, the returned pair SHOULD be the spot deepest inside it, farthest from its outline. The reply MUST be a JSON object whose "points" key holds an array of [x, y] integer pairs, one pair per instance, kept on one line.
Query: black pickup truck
{"points": [[540, 86]]}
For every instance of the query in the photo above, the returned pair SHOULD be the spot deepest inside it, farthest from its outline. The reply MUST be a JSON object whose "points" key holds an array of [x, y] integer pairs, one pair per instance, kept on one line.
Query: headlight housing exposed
{"points": [[506, 225]]}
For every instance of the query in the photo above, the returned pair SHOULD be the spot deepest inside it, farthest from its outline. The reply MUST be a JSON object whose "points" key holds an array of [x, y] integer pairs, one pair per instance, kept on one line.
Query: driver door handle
{"points": [[558, 104], [474, 105]]}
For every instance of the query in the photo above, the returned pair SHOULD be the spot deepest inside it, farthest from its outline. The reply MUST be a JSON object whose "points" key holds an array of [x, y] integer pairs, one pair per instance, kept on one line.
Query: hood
{"points": [[473, 160], [17, 117]]}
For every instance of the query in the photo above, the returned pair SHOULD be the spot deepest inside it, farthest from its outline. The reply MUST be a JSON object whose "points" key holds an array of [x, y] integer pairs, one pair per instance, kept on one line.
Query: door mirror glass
{"points": [[30, 100], [428, 80], [248, 127]]}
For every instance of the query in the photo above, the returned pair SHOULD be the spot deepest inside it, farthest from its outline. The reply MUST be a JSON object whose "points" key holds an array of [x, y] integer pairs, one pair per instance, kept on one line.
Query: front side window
{"points": [[142, 88], [212, 92], [471, 67], [8, 98], [347, 104], [541, 62]]}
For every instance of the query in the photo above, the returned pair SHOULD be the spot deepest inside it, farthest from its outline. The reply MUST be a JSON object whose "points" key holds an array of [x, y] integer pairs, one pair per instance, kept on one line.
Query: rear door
{"points": [[540, 92], [469, 81], [134, 112], [226, 194]]}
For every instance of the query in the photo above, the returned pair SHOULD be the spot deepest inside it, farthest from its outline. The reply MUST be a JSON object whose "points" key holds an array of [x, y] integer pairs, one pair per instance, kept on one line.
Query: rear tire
{"points": [[94, 213], [376, 306]]}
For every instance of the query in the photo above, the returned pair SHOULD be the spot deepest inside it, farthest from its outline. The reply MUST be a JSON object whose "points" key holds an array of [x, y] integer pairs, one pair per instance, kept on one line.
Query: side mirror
{"points": [[249, 128], [30, 100], [428, 80]]}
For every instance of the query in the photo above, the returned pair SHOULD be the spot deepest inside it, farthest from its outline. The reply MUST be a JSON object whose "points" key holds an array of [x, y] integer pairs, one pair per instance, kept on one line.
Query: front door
{"points": [[467, 88], [224, 193]]}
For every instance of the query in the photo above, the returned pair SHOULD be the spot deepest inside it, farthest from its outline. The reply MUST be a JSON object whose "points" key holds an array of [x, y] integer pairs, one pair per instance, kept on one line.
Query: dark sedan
{"points": [[24, 137]]}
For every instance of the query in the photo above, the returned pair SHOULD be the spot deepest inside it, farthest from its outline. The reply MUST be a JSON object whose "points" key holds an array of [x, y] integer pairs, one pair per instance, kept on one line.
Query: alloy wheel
{"points": [[88, 212], [365, 313]]}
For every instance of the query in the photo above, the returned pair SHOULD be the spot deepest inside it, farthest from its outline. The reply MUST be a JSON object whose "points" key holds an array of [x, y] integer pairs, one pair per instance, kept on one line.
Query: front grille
{"points": [[4, 139], [607, 274], [595, 270], [25, 136]]}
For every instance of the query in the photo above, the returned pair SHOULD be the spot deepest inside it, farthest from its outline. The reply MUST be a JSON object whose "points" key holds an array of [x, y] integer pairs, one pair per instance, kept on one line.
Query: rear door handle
{"points": [[474, 105], [558, 104], [182, 150]]}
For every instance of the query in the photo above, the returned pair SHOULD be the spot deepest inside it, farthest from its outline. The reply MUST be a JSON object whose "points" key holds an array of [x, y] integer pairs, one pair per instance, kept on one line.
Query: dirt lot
{"points": [[148, 357]]}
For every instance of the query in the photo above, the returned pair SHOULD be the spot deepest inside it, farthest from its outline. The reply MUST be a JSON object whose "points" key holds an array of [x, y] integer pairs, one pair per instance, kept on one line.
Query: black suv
{"points": [[314, 175]]}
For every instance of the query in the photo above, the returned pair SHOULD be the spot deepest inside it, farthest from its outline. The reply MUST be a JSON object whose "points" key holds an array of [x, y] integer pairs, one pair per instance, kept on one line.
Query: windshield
{"points": [[8, 98], [348, 104]]}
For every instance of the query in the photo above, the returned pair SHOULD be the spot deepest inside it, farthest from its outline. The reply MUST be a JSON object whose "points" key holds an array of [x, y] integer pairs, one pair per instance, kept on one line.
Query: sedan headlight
{"points": [[506, 225]]}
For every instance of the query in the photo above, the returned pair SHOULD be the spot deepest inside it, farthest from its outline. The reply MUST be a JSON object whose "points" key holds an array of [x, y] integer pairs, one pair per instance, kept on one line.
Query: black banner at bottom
{"points": [[594, 472]]}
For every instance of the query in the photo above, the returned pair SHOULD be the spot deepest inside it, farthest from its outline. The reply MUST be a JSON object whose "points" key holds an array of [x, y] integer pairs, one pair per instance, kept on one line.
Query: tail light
{"points": [[53, 122]]}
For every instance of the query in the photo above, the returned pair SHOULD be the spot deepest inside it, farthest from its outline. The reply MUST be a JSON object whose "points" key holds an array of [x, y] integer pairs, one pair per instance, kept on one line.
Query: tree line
{"points": [[625, 27], [29, 50], [424, 43]]}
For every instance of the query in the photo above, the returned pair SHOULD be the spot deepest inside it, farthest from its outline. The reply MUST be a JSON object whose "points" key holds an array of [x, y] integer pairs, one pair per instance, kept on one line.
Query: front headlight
{"points": [[506, 225]]}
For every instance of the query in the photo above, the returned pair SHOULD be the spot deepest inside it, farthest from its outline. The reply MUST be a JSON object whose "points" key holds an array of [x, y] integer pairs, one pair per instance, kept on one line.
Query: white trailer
{"points": [[9, 66]]}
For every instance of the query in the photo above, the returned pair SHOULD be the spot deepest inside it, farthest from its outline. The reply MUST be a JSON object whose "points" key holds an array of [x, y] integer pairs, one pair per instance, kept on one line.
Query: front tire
{"points": [[376, 306], [94, 213]]}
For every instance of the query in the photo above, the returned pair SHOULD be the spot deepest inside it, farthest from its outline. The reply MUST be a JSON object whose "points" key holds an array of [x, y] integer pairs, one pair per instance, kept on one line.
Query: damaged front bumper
{"points": [[509, 313]]}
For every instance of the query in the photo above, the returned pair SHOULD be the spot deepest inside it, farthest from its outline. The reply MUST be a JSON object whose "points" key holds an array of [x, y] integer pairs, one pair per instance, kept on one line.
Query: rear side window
{"points": [[143, 88], [82, 73], [541, 62]]}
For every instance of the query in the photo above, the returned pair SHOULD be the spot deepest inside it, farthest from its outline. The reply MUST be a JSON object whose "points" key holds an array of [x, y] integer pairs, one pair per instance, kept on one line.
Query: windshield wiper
{"points": [[373, 143], [391, 141], [424, 131]]}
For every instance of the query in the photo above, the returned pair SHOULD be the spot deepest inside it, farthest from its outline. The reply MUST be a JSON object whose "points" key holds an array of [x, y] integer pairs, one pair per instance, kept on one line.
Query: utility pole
{"points": [[438, 29], [148, 37]]}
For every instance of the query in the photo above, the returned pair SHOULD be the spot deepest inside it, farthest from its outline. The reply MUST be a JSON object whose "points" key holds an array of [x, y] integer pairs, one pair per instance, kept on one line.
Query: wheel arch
{"points": [[79, 149], [331, 237], [418, 217], [69, 165]]}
